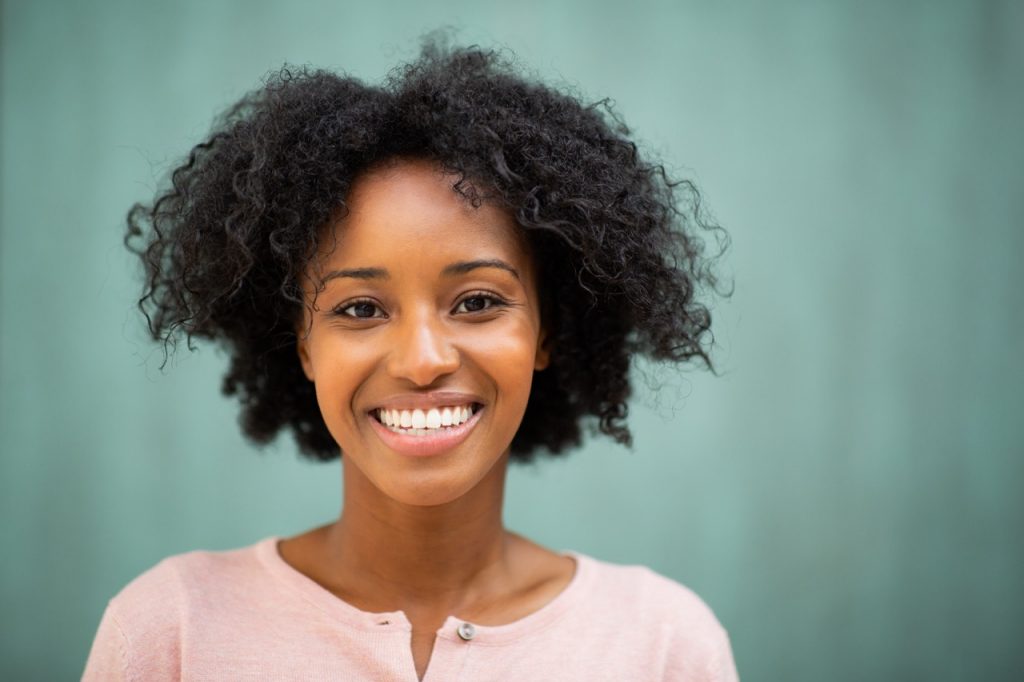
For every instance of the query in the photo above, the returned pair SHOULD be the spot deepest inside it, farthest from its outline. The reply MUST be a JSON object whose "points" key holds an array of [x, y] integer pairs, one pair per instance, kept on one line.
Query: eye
{"points": [[478, 302], [362, 310]]}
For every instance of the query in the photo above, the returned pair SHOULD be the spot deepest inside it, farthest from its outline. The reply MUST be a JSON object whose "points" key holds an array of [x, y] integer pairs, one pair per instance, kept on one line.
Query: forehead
{"points": [[408, 209]]}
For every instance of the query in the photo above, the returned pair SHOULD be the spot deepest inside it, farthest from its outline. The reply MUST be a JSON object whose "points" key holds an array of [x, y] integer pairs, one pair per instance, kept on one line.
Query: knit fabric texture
{"points": [[247, 615]]}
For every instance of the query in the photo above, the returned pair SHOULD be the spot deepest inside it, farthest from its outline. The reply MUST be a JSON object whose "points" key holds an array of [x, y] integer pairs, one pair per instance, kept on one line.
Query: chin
{"points": [[427, 493], [436, 486]]}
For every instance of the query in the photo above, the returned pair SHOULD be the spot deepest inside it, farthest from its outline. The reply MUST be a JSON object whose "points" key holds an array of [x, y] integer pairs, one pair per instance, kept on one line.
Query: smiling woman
{"points": [[429, 306], [428, 279]]}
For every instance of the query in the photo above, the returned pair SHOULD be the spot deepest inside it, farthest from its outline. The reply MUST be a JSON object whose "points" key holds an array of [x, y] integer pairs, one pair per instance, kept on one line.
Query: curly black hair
{"points": [[621, 257]]}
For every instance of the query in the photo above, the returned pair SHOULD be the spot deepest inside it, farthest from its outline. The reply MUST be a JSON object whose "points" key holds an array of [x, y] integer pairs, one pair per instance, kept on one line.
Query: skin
{"points": [[424, 535]]}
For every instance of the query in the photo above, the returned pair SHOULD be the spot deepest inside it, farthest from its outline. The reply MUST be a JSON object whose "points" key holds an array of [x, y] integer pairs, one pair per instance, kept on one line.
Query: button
{"points": [[466, 631]]}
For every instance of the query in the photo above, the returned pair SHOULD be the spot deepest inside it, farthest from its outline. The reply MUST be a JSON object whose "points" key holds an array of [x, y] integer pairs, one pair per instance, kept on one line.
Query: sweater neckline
{"points": [[338, 609]]}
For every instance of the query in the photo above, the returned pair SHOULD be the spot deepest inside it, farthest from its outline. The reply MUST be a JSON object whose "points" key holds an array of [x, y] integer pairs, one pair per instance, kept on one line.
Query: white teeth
{"points": [[433, 418], [418, 422]]}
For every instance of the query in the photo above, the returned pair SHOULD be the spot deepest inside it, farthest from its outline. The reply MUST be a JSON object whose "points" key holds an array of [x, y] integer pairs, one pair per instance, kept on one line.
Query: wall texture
{"points": [[847, 496]]}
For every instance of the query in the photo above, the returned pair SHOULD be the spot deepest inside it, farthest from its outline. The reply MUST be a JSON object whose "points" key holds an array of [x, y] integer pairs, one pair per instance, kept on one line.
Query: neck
{"points": [[424, 557]]}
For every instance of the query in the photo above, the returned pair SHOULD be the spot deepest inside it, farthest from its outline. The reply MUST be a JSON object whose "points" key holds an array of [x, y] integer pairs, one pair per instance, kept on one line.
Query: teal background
{"points": [[847, 496]]}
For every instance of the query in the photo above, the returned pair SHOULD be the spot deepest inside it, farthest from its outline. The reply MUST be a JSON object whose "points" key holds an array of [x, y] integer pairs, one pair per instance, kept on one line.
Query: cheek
{"points": [[507, 355], [340, 368]]}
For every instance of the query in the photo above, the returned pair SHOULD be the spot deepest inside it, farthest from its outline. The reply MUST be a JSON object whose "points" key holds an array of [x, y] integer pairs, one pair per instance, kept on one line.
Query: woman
{"points": [[432, 277]]}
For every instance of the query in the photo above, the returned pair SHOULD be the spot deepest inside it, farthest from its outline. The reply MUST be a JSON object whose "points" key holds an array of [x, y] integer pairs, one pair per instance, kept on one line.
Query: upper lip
{"points": [[411, 401]]}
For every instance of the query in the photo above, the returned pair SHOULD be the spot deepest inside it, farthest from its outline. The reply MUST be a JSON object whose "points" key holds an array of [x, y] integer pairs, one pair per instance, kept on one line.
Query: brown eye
{"points": [[474, 304], [477, 303], [362, 310]]}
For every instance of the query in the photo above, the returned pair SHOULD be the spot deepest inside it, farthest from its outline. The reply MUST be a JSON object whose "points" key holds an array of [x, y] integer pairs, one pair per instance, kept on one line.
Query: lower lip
{"points": [[428, 445]]}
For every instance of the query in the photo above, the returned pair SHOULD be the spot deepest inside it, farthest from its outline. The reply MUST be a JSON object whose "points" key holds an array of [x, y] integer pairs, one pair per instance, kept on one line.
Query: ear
{"points": [[302, 348], [543, 356]]}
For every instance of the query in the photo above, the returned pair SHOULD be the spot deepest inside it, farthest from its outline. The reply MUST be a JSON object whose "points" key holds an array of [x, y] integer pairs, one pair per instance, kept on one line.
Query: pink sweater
{"points": [[246, 614]]}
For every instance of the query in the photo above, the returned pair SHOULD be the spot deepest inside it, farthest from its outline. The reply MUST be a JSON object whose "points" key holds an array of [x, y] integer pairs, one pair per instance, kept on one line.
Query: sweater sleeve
{"points": [[139, 636], [722, 666], [108, 658], [707, 658]]}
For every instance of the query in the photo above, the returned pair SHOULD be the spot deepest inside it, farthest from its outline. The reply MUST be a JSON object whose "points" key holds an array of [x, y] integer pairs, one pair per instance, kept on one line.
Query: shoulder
{"points": [[692, 643], [640, 590], [171, 584], [141, 630]]}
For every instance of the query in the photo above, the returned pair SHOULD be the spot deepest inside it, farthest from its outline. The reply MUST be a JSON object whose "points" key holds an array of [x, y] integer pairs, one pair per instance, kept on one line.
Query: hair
{"points": [[618, 243]]}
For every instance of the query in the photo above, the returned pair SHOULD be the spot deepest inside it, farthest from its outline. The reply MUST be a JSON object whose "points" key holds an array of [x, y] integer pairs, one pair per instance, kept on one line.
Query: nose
{"points": [[423, 351]]}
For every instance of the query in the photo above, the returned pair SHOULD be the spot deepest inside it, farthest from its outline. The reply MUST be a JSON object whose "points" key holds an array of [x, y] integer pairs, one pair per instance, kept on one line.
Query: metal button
{"points": [[466, 631]]}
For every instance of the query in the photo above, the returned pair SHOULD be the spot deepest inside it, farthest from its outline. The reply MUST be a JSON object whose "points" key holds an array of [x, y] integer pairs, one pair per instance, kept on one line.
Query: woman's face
{"points": [[423, 342]]}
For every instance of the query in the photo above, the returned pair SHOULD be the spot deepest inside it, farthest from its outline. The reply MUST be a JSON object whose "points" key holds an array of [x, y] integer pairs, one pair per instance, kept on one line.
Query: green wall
{"points": [[847, 497]]}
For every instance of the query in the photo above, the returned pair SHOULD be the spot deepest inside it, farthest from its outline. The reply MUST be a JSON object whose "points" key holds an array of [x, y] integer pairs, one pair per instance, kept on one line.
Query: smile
{"points": [[425, 432], [419, 422]]}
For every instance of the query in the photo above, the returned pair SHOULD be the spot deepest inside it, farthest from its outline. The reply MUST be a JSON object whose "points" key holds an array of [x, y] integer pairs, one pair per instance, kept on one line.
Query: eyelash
{"points": [[495, 301]]}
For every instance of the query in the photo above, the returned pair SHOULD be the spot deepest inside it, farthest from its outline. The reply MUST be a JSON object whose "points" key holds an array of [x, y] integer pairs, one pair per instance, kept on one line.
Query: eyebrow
{"points": [[463, 267], [460, 268], [356, 273]]}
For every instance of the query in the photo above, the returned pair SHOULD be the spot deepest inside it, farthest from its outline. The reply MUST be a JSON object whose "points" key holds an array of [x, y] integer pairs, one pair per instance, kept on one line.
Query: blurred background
{"points": [[846, 496]]}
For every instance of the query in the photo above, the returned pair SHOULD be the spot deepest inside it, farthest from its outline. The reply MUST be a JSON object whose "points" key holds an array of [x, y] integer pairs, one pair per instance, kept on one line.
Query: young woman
{"points": [[429, 279]]}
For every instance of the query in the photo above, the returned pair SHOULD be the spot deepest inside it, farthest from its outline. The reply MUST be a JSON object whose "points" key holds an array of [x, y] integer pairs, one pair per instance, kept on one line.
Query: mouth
{"points": [[425, 422], [425, 432]]}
